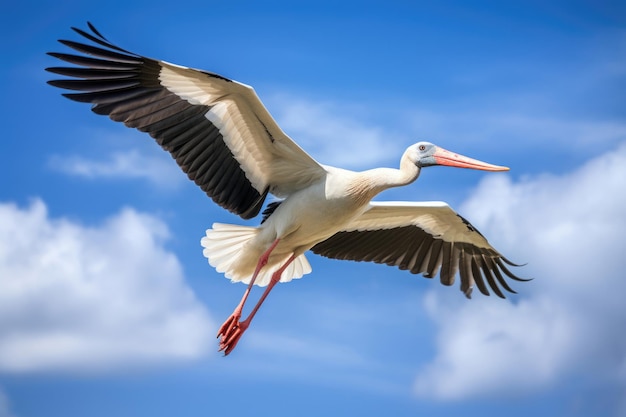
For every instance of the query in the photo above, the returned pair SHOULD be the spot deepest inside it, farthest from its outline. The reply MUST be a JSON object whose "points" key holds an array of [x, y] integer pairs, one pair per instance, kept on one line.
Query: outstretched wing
{"points": [[216, 129], [424, 238]]}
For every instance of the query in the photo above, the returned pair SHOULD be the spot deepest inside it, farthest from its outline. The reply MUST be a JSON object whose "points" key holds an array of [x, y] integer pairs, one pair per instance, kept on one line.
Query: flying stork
{"points": [[226, 141]]}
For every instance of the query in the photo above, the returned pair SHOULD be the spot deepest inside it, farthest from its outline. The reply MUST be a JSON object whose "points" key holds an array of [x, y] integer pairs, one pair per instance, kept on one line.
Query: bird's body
{"points": [[226, 141], [303, 219]]}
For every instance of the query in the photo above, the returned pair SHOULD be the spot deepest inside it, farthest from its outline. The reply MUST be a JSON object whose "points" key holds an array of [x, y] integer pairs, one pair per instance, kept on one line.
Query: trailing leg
{"points": [[233, 319], [235, 329]]}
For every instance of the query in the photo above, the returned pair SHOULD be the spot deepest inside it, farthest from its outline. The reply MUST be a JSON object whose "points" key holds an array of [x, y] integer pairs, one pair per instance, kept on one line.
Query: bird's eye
{"points": [[422, 147]]}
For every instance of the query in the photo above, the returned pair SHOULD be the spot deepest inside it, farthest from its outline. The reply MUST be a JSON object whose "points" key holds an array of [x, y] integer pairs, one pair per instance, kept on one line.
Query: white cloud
{"points": [[328, 132], [158, 169], [363, 136], [81, 298], [493, 348], [570, 319]]}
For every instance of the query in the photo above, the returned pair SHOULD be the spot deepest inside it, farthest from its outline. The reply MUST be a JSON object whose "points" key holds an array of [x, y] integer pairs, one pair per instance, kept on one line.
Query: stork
{"points": [[226, 141]]}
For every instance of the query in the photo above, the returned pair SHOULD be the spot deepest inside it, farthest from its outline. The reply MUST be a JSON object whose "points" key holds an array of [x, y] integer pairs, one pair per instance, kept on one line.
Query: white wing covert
{"points": [[216, 129]]}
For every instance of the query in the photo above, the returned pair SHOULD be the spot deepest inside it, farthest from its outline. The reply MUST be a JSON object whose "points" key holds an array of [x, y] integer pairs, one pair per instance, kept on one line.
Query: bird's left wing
{"points": [[218, 130], [424, 238]]}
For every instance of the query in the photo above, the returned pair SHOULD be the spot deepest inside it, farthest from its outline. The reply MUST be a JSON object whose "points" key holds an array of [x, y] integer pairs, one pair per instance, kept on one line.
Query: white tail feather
{"points": [[225, 248]]}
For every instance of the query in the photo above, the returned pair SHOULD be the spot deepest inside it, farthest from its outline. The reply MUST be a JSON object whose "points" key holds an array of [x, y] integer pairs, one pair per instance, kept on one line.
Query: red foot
{"points": [[231, 331], [229, 324]]}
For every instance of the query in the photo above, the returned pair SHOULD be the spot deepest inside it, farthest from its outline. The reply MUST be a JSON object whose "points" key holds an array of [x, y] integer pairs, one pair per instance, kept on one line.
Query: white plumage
{"points": [[226, 141], [225, 246]]}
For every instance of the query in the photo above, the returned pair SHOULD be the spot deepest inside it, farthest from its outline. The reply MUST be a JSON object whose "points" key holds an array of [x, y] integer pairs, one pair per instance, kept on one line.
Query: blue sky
{"points": [[107, 306]]}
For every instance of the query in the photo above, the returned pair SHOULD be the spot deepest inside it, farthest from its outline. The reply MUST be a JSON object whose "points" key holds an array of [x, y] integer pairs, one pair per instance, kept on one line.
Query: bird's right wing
{"points": [[216, 129], [424, 238]]}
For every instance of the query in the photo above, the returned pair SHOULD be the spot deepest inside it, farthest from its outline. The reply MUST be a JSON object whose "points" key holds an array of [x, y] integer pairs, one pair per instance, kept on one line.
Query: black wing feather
{"points": [[412, 248], [125, 86]]}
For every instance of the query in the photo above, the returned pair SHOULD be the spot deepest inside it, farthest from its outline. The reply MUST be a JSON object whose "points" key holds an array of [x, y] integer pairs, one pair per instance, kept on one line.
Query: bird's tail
{"points": [[226, 247]]}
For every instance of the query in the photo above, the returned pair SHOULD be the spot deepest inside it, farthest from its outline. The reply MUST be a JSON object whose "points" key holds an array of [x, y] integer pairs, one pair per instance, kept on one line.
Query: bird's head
{"points": [[426, 154]]}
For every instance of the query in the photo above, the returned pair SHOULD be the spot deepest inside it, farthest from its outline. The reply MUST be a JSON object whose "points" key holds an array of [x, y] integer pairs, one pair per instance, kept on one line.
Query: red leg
{"points": [[233, 319], [231, 338]]}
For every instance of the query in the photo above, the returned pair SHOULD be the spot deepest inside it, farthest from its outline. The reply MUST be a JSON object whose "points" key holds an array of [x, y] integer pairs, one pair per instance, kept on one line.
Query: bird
{"points": [[225, 140]]}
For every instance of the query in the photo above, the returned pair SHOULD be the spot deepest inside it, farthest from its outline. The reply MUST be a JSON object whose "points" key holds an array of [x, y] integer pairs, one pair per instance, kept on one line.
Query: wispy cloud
{"points": [[79, 298], [334, 134], [5, 405], [341, 134], [570, 229], [158, 169]]}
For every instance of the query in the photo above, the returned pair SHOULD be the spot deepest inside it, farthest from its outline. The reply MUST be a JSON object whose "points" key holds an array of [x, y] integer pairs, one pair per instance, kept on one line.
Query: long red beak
{"points": [[444, 157]]}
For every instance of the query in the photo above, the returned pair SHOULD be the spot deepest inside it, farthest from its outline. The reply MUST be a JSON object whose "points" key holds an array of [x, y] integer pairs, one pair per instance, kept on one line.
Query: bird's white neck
{"points": [[381, 179]]}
